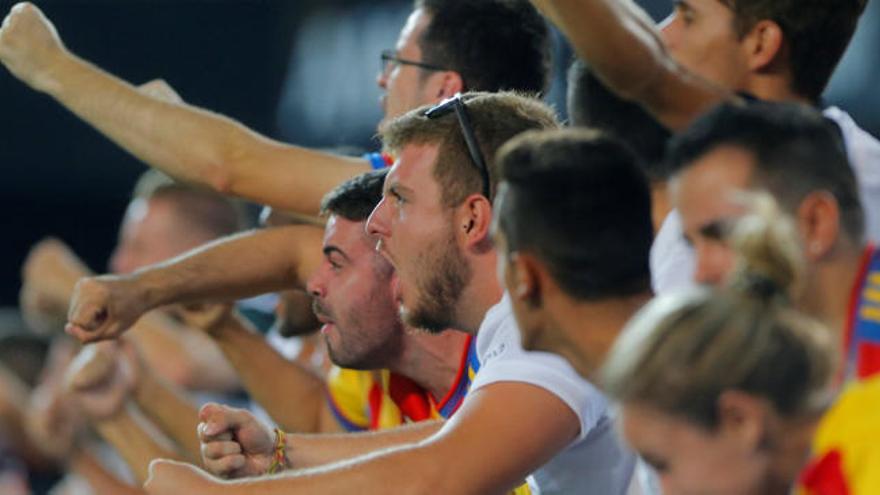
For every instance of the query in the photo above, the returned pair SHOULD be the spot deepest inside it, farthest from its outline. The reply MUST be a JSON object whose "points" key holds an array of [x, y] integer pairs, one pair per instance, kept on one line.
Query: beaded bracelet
{"points": [[279, 458]]}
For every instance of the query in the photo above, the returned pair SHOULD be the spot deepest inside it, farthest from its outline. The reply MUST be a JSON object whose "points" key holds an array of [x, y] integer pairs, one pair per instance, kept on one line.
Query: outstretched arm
{"points": [[242, 265], [186, 142], [623, 47]]}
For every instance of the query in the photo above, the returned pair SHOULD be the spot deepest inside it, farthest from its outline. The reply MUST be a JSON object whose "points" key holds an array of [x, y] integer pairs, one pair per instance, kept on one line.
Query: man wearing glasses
{"points": [[446, 46]]}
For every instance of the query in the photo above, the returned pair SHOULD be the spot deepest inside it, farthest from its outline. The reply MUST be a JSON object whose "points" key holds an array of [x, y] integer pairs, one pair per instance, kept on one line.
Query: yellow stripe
{"points": [[874, 279], [870, 313], [872, 295]]}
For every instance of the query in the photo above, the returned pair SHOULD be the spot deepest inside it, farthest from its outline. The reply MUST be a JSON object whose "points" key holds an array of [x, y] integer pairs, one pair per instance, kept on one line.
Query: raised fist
{"points": [[102, 378], [103, 307], [48, 276], [30, 47], [235, 444]]}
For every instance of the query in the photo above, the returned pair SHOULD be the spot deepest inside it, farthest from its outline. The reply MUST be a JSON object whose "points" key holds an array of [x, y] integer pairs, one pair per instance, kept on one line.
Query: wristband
{"points": [[279, 457]]}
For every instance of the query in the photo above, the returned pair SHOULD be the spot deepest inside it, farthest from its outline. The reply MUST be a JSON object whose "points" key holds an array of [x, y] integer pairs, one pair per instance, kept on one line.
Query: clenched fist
{"points": [[234, 443], [103, 307], [48, 276], [30, 47]]}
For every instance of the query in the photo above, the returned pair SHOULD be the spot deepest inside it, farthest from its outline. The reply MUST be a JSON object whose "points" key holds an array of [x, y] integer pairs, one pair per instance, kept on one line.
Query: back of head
{"points": [[495, 118], [682, 352], [355, 198], [493, 44], [592, 104], [576, 199], [796, 152], [816, 32], [204, 211]]}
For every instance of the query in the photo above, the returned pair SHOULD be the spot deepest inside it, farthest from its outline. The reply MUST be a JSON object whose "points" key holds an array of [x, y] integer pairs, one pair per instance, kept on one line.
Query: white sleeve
{"points": [[504, 360]]}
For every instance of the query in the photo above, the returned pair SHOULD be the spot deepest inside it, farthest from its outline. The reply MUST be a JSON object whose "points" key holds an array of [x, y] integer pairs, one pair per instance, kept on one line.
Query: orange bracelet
{"points": [[279, 458]]}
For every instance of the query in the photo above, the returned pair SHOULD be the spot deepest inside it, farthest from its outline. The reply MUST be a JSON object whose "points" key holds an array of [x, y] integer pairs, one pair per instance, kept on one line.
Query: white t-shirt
{"points": [[596, 462], [672, 260]]}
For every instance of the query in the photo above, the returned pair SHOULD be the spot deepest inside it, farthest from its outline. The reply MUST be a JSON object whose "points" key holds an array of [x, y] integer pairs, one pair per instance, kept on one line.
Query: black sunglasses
{"points": [[457, 104], [390, 57]]}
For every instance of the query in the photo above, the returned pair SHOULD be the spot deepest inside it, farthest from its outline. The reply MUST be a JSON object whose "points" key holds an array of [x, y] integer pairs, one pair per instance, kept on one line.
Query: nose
{"points": [[712, 264], [382, 77], [377, 224], [315, 284]]}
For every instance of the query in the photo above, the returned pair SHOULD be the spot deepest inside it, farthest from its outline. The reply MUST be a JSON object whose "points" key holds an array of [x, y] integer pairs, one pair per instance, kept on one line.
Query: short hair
{"points": [[355, 198], [796, 151], [817, 33], [592, 104], [495, 118], [493, 44], [682, 351], [201, 208], [577, 200]]}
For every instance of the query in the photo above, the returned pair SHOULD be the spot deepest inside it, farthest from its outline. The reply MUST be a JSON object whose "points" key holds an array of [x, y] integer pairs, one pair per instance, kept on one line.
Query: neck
{"points": [[592, 327], [432, 361], [775, 88], [660, 206], [480, 295], [829, 285], [791, 451]]}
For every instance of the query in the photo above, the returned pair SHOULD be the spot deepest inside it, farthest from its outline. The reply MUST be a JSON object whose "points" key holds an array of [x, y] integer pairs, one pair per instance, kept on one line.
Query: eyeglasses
{"points": [[389, 58], [457, 104]]}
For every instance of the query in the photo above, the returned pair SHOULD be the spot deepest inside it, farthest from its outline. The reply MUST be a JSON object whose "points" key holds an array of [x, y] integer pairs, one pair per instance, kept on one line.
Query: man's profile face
{"points": [[706, 197], [404, 85], [152, 231], [700, 36], [352, 291], [416, 234]]}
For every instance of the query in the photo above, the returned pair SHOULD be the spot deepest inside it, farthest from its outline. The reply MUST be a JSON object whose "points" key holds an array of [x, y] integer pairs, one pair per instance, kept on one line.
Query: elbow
{"points": [[218, 177]]}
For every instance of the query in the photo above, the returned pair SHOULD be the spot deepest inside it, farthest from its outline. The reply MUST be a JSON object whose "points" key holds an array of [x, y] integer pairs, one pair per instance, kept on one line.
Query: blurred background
{"points": [[302, 71]]}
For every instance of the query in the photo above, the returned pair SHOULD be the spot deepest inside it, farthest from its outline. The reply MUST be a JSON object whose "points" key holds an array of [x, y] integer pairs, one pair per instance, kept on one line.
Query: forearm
{"points": [[305, 451], [197, 145], [292, 394], [84, 464], [136, 441], [184, 356], [235, 267], [171, 412]]}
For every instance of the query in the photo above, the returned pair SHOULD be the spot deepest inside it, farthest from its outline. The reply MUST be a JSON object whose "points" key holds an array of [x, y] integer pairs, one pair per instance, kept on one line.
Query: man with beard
{"points": [[527, 412], [422, 376], [445, 47]]}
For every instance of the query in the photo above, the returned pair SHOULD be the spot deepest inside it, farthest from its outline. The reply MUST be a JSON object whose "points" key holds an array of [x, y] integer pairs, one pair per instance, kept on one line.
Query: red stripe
{"points": [[854, 299]]}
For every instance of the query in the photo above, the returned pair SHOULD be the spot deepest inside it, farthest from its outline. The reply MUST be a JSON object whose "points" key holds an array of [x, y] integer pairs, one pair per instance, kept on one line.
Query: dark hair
{"points": [[682, 351], [200, 208], [355, 198], [576, 199], [493, 44], [796, 151], [817, 33], [592, 104]]}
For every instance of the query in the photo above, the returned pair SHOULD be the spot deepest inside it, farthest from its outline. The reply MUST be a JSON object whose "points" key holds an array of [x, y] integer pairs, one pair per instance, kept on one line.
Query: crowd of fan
{"points": [[675, 292]]}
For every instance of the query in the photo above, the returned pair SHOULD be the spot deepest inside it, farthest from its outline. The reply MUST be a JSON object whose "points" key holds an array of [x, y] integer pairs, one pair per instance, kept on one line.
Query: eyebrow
{"points": [[328, 250]]}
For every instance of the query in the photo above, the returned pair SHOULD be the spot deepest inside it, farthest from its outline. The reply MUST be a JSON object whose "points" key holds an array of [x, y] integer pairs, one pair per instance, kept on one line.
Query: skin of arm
{"points": [[188, 143], [238, 266], [84, 464], [293, 395], [623, 47], [486, 427]]}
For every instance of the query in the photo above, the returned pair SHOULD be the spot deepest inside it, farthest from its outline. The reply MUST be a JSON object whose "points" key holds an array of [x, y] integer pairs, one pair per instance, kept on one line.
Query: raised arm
{"points": [[623, 47], [186, 142], [238, 266]]}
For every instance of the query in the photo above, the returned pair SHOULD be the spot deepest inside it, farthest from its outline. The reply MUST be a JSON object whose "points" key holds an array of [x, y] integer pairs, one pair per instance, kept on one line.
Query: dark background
{"points": [[302, 71]]}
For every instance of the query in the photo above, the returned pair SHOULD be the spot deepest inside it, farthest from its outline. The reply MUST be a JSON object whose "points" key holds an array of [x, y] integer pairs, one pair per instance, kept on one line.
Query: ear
{"points": [[818, 219], [742, 419], [474, 221], [764, 45], [526, 284], [448, 83]]}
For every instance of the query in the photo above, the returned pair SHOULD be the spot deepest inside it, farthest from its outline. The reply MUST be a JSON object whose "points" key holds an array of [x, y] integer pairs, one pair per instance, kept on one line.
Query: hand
{"points": [[52, 422], [48, 276], [102, 378], [30, 47], [103, 307], [173, 478], [234, 443]]}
